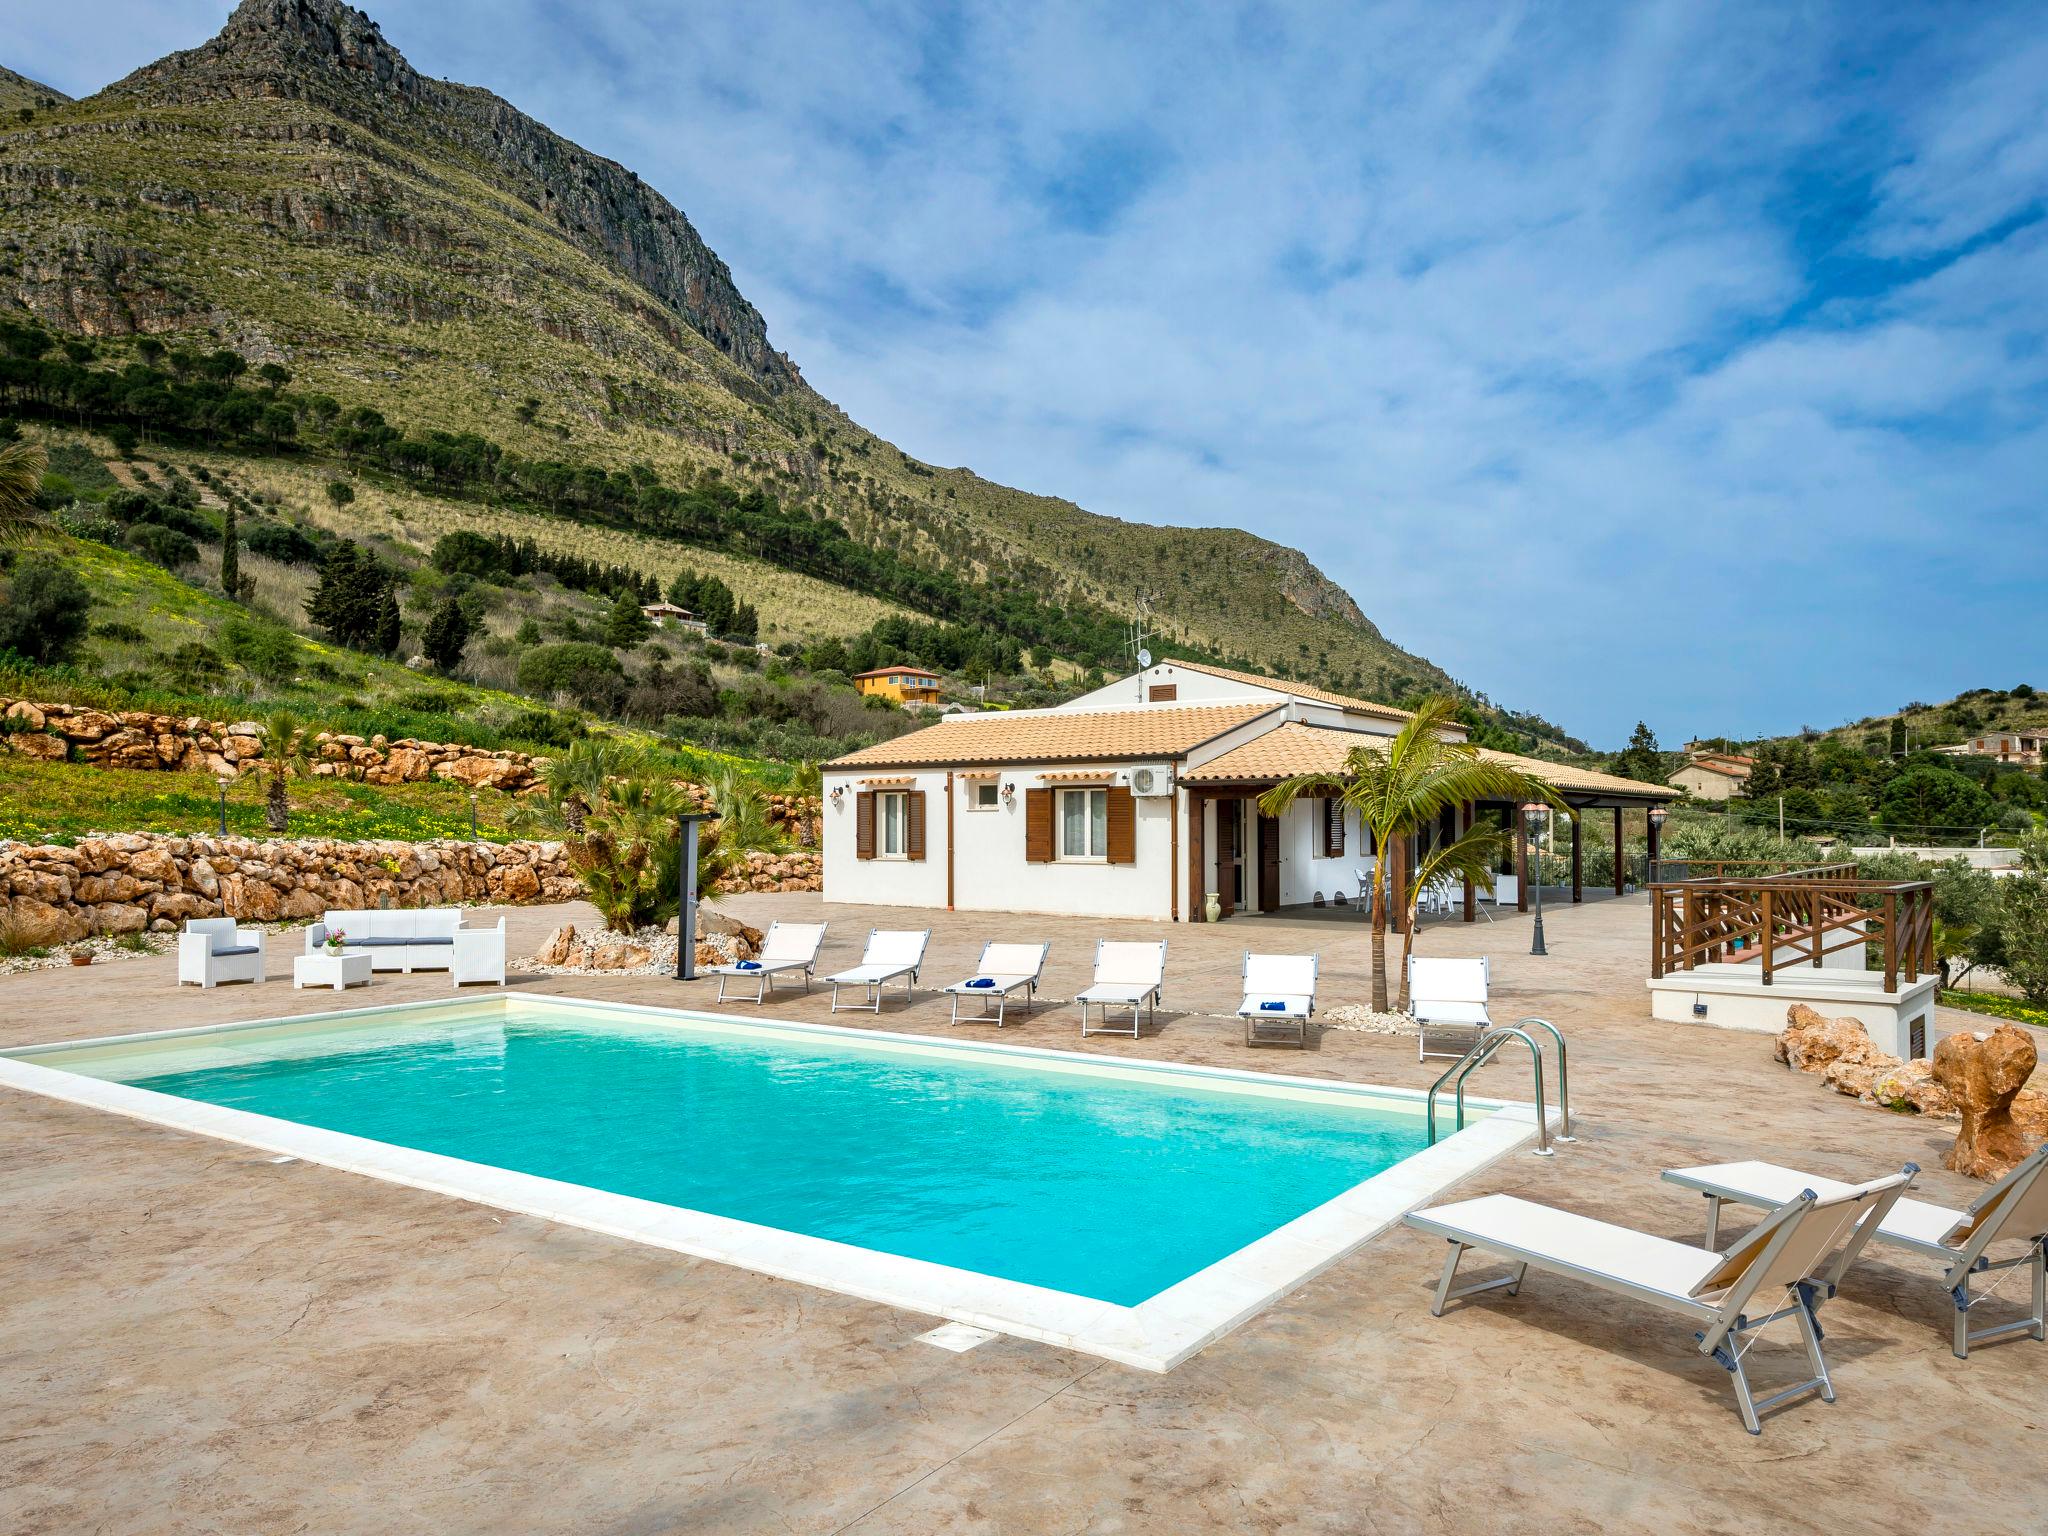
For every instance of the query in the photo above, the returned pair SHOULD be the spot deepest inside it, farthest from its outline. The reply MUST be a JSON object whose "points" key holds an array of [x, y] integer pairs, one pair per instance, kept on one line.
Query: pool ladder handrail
{"points": [[1482, 1051]]}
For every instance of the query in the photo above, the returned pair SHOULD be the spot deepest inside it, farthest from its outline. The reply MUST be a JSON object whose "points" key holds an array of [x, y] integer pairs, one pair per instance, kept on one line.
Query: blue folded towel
{"points": [[748, 965], [1273, 1007], [982, 981]]}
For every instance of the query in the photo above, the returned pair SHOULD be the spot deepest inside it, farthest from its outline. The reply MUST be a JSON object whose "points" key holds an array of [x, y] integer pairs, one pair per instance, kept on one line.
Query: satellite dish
{"points": [[1144, 658]]}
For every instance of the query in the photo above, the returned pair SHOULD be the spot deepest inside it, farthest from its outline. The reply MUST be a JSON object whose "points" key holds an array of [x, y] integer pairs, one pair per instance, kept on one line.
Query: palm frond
{"points": [[21, 487]]}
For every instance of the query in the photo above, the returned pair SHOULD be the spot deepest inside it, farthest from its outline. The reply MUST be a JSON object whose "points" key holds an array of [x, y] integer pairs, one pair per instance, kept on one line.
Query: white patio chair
{"points": [[212, 950], [787, 947], [478, 955], [2015, 1209], [1279, 995], [1448, 999], [1364, 873], [1005, 969], [1789, 1248], [890, 953], [1128, 974]]}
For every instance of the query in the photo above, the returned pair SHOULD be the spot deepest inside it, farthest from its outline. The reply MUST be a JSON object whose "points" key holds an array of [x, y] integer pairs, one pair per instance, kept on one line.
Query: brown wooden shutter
{"points": [[1165, 693], [864, 824], [1123, 826], [913, 824], [1333, 828], [1037, 826]]}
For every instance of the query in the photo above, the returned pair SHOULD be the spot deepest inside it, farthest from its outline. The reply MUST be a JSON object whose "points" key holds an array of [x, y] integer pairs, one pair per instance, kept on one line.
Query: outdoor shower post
{"points": [[686, 908]]}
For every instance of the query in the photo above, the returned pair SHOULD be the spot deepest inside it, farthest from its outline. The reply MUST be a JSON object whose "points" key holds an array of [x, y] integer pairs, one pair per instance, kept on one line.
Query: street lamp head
{"points": [[1659, 814]]}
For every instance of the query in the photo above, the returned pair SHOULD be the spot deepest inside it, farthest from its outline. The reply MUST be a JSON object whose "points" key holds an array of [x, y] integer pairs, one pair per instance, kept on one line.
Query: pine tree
{"points": [[1641, 759], [230, 555], [626, 626], [349, 601], [386, 640], [447, 634]]}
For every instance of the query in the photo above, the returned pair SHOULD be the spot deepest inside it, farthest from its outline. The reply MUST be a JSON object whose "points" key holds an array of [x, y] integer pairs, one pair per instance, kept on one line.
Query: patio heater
{"points": [[686, 909], [1538, 816]]}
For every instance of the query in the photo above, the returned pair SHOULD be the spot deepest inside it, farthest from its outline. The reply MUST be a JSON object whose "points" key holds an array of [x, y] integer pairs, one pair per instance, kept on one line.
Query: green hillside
{"points": [[20, 94], [292, 191]]}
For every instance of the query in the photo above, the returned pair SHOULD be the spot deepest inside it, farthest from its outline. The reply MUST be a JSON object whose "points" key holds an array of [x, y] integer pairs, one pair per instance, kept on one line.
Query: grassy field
{"points": [[41, 802], [1998, 1005]]}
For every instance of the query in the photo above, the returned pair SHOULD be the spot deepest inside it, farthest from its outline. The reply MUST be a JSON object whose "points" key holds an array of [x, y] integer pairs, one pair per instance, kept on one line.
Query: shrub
{"points": [[270, 651], [46, 612], [463, 553], [281, 542], [586, 672], [166, 546]]}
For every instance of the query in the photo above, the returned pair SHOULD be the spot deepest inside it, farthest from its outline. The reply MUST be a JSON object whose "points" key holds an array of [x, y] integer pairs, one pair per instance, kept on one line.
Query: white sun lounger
{"points": [[890, 953], [1004, 969], [1783, 1254], [788, 947], [1448, 999], [1128, 974], [2014, 1209], [1286, 980]]}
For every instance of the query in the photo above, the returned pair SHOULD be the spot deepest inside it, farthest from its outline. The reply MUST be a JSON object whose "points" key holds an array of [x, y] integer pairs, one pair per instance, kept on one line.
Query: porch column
{"points": [[1197, 883], [1578, 865], [1521, 859], [1617, 851], [1467, 816]]}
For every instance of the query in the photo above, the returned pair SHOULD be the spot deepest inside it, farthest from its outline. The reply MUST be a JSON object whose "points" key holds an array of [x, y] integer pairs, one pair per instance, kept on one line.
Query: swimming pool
{"points": [[1133, 1209]]}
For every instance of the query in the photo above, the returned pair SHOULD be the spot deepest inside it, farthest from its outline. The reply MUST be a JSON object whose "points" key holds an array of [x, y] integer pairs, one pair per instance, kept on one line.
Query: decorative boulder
{"points": [[1910, 1086], [1812, 1043], [560, 945], [619, 955], [1984, 1075]]}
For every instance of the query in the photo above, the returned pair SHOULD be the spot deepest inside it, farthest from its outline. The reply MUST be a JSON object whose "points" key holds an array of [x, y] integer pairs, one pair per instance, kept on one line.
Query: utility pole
{"points": [[1781, 818]]}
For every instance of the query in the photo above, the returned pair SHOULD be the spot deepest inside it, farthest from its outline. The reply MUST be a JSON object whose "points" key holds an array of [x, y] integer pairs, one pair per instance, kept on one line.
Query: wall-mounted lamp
{"points": [[1010, 794], [838, 793]]}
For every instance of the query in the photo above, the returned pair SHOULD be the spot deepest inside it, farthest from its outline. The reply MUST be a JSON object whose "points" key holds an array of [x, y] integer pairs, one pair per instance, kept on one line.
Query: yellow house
{"points": [[906, 685]]}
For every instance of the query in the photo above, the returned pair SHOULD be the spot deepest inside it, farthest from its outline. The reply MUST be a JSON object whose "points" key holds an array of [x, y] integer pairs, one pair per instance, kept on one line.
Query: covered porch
{"points": [[1315, 862]]}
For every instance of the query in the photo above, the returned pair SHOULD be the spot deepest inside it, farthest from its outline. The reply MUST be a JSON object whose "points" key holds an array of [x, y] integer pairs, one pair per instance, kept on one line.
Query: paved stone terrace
{"points": [[195, 1339]]}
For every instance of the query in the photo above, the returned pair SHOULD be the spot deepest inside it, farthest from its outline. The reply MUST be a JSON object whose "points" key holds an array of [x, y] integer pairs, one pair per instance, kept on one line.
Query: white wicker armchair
{"points": [[479, 954], [212, 950]]}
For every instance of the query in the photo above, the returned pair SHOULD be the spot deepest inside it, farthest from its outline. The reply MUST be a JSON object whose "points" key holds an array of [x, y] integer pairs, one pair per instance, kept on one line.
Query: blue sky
{"points": [[1675, 361]]}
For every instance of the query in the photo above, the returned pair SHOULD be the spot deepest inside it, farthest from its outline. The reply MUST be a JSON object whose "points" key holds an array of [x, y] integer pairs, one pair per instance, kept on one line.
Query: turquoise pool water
{"points": [[1105, 1187]]}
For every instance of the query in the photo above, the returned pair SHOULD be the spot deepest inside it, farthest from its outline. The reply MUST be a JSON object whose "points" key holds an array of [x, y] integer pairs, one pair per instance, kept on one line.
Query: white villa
{"points": [[1137, 800]]}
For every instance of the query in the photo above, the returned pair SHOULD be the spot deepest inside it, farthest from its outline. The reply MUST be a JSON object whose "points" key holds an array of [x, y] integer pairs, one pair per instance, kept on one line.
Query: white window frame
{"points": [[900, 799], [976, 788], [1059, 816]]}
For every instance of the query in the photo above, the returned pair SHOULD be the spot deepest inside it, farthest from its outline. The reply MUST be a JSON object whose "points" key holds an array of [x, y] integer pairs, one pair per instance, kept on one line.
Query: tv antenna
{"points": [[1135, 638]]}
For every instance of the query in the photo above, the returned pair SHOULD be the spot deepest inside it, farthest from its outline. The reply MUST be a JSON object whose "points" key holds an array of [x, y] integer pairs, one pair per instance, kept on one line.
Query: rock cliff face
{"points": [[333, 55], [18, 91]]}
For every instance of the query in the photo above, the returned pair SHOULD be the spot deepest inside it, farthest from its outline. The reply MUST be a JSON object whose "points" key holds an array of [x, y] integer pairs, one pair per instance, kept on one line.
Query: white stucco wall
{"points": [[884, 882]]}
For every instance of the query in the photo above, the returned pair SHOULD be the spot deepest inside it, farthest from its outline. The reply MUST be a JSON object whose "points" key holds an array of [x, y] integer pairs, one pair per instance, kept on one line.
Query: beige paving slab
{"points": [[195, 1338]]}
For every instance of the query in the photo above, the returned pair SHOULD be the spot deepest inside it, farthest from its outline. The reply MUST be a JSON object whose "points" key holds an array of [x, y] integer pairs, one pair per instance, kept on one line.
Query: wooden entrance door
{"points": [[1269, 864]]}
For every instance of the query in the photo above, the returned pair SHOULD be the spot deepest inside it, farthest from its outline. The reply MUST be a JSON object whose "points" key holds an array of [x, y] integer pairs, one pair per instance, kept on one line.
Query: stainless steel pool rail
{"points": [[1483, 1050]]}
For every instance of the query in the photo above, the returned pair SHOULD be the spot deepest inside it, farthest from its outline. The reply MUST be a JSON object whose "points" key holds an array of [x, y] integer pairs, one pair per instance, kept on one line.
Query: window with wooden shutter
{"points": [[1122, 842], [1333, 828], [914, 843], [864, 824], [1164, 693], [1038, 826]]}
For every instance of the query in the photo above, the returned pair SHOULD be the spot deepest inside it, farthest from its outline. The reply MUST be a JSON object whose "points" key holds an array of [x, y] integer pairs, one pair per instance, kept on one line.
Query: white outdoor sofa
{"points": [[1005, 969], [212, 950], [418, 939], [2015, 1209], [1279, 997], [787, 947], [1128, 974], [1448, 999], [1786, 1254], [889, 954]]}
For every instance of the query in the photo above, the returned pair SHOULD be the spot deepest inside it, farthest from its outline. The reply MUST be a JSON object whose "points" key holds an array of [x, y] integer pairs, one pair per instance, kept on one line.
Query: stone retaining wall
{"points": [[126, 882]]}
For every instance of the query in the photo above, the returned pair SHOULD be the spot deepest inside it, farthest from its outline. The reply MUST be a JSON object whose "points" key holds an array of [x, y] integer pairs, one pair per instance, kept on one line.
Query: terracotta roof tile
{"points": [[1297, 748], [1057, 736]]}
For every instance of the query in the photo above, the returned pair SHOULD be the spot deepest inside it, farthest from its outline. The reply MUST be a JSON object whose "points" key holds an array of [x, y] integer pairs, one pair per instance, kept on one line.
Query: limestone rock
{"points": [[619, 955], [39, 924], [1984, 1075], [1810, 1042], [244, 897], [560, 945], [514, 882], [1911, 1085], [49, 749]]}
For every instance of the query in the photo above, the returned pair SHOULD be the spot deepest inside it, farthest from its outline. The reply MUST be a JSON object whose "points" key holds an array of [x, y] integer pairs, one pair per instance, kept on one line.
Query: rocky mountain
{"points": [[18, 93], [294, 189]]}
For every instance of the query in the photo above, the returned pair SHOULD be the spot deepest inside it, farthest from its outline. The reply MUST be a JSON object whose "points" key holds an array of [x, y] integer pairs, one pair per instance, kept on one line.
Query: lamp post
{"points": [[472, 817], [686, 908], [222, 785], [1658, 815], [1537, 814]]}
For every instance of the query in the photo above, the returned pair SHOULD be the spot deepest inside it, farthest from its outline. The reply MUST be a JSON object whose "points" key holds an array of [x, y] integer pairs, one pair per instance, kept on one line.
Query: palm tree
{"points": [[21, 487], [1469, 859], [1399, 787], [573, 785], [807, 783], [284, 752]]}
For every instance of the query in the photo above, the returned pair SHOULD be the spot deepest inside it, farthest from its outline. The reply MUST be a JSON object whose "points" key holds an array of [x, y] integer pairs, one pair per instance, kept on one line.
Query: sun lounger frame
{"points": [[763, 976], [1001, 992], [871, 976], [1121, 994]]}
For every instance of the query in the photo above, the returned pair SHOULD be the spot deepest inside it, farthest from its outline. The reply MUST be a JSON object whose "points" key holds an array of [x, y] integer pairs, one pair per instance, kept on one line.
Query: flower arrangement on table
{"points": [[335, 942]]}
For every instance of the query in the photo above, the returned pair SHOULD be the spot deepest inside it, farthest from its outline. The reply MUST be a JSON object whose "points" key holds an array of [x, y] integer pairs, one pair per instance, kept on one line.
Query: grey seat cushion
{"points": [[424, 939], [237, 949], [374, 943]]}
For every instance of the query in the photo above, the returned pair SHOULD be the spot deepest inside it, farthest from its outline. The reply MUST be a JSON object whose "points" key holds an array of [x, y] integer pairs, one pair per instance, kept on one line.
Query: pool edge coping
{"points": [[1155, 1335]]}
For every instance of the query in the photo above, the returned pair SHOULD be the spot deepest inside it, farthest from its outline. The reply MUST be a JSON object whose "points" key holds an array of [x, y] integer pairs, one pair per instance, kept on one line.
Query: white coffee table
{"points": [[350, 968]]}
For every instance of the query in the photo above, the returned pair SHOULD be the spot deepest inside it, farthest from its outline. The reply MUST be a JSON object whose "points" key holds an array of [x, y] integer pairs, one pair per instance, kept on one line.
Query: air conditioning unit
{"points": [[1152, 779]]}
